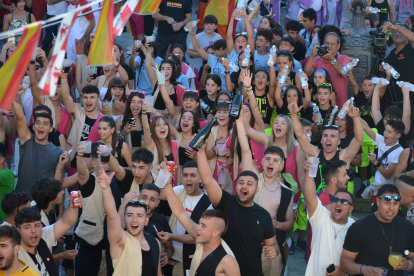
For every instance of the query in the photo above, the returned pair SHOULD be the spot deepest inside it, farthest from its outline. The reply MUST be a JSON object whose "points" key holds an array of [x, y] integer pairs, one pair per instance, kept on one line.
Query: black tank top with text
{"points": [[319, 181]]}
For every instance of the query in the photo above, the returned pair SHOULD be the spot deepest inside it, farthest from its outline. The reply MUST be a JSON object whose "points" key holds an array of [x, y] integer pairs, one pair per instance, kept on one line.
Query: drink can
{"points": [[171, 164], [75, 199]]}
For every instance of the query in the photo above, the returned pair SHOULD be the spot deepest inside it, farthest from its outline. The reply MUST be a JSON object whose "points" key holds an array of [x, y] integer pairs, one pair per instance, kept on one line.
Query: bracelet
{"points": [[280, 85], [110, 191], [170, 104], [249, 88], [251, 93], [63, 78], [360, 269], [410, 265], [226, 72], [117, 66]]}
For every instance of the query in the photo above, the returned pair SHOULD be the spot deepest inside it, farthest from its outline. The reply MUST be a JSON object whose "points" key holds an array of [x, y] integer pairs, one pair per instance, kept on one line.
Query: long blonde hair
{"points": [[290, 139]]}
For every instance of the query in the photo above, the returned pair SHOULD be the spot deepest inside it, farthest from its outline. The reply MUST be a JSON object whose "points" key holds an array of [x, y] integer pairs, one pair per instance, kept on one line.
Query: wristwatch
{"points": [[333, 61], [378, 164]]}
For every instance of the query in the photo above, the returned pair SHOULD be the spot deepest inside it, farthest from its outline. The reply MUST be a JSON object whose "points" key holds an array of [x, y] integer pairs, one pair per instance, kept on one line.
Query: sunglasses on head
{"points": [[329, 126], [282, 52], [342, 200], [241, 33], [324, 84], [138, 201], [389, 198]]}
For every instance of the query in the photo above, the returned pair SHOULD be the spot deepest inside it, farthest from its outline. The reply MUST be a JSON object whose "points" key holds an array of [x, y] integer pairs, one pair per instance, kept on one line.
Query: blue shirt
{"points": [[218, 69], [260, 62], [144, 83], [234, 57], [298, 66], [184, 81]]}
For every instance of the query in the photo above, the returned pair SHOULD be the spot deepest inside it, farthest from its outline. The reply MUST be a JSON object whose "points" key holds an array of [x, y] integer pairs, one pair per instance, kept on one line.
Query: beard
{"points": [[7, 263]]}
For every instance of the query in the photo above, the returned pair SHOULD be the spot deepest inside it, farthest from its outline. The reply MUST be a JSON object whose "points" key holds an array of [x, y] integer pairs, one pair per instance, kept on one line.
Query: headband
{"points": [[321, 71]]}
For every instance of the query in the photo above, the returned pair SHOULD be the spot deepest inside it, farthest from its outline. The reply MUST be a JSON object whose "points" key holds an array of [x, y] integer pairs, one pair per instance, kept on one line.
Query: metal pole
{"points": [[56, 23]]}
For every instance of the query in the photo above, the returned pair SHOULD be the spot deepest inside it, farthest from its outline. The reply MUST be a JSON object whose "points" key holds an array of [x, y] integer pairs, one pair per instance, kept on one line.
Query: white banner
{"points": [[122, 17]]}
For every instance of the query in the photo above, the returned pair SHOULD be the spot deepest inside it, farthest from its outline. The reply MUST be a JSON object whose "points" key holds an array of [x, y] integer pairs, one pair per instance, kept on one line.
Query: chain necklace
{"points": [[264, 184], [390, 244], [187, 137], [337, 233]]}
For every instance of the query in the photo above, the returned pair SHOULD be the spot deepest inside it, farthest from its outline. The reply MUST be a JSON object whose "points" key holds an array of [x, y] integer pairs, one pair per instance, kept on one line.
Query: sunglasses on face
{"points": [[226, 102], [342, 200], [282, 52], [389, 198], [261, 76]]}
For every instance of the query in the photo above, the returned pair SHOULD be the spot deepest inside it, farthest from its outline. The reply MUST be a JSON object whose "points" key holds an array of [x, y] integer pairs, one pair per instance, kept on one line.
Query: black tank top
{"points": [[209, 265], [410, 163], [264, 107], [319, 181], [159, 101], [136, 138], [183, 157], [291, 75], [147, 263], [384, 9]]}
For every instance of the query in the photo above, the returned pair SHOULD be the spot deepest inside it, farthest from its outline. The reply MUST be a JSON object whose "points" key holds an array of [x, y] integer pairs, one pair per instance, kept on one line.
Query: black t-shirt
{"points": [[52, 138], [210, 104], [401, 63], [247, 228], [126, 184], [366, 238], [360, 102], [87, 126], [130, 72], [177, 10], [234, 78], [326, 114], [285, 111], [381, 128], [300, 51], [160, 222]]}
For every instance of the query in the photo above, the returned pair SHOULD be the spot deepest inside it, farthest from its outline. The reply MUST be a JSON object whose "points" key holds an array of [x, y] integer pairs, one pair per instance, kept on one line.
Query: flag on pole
{"points": [[12, 72], [101, 48], [48, 83], [145, 7], [122, 17]]}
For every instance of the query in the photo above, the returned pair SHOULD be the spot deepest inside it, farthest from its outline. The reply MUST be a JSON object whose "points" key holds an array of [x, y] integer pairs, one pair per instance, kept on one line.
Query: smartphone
{"points": [[132, 121], [12, 39], [330, 268]]}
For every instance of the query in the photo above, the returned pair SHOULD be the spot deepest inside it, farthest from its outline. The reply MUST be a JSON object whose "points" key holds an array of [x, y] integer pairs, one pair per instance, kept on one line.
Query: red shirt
{"points": [[325, 199], [340, 84], [83, 3]]}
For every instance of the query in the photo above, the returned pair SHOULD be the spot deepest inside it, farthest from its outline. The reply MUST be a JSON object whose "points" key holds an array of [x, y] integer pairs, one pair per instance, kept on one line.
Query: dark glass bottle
{"points": [[202, 136], [236, 105]]}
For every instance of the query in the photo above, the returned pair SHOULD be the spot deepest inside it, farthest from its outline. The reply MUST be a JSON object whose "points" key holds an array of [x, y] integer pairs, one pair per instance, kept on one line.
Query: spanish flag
{"points": [[145, 7], [222, 9], [12, 72], [101, 48]]}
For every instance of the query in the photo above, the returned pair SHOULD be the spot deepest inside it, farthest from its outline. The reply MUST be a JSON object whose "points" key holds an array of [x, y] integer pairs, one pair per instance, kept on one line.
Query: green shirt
{"points": [[6, 186]]}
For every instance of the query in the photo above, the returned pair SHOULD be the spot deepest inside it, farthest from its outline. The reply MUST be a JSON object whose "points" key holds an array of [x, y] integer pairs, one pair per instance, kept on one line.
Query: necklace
{"points": [[337, 233], [264, 184], [390, 244], [188, 137]]}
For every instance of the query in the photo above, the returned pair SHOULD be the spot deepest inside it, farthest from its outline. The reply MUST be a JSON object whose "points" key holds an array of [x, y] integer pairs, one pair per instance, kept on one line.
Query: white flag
{"points": [[122, 17]]}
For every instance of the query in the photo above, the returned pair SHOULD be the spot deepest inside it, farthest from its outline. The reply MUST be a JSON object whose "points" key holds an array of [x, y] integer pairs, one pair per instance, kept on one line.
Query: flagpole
{"points": [[58, 19]]}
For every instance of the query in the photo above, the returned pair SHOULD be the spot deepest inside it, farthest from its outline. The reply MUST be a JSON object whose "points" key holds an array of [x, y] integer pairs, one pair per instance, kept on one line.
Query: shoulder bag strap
{"points": [[388, 152]]}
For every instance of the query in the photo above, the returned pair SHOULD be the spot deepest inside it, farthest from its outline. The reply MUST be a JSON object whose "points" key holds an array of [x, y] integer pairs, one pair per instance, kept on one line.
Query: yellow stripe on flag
{"points": [[101, 49], [12, 72]]}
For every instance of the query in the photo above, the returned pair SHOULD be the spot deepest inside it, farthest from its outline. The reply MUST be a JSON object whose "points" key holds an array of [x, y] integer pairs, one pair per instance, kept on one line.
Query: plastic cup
{"points": [[150, 101], [105, 153], [221, 146], [222, 177], [109, 108], [151, 40], [314, 168], [161, 77], [384, 271], [92, 70], [187, 272], [88, 146], [162, 178], [92, 36], [138, 43], [66, 65]]}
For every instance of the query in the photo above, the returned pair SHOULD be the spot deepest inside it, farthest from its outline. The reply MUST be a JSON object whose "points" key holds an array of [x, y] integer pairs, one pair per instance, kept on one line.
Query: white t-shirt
{"points": [[57, 9], [391, 158], [190, 202], [255, 23], [49, 237], [326, 250], [204, 40], [27, 103]]}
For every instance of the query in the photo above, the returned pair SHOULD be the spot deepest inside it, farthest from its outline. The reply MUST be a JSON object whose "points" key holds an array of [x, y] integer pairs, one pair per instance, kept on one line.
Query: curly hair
{"points": [[45, 191], [26, 215]]}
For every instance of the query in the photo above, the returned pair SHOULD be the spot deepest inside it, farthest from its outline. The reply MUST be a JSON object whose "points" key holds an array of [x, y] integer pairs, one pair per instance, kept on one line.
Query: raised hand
{"points": [[104, 181], [247, 78], [293, 108], [353, 111]]}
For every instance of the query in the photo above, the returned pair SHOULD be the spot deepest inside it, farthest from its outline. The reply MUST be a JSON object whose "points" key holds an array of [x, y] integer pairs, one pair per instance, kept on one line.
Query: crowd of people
{"points": [[80, 186]]}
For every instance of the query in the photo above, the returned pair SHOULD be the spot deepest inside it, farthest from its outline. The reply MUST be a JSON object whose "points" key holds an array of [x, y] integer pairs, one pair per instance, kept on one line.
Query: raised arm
{"points": [[115, 167], [247, 160], [356, 142], [278, 93], [406, 119], [309, 191], [67, 100], [34, 86], [22, 130], [83, 173], [149, 143], [174, 112], [355, 87], [148, 65], [229, 35], [196, 45], [375, 105], [272, 83], [213, 189], [69, 218], [178, 210], [258, 120], [116, 235], [298, 129], [249, 29]]}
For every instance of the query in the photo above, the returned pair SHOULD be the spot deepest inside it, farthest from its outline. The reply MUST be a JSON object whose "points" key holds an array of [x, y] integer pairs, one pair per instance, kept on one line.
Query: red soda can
{"points": [[75, 199], [171, 164]]}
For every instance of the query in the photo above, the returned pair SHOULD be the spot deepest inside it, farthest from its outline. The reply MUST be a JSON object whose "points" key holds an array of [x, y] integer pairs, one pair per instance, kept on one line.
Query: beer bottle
{"points": [[236, 105], [202, 136]]}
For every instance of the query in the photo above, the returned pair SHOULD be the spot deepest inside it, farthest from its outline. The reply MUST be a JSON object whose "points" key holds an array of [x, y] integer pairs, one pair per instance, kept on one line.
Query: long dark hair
{"points": [[267, 80], [193, 95], [224, 106], [235, 145], [177, 63], [196, 125], [251, 68], [217, 97], [312, 85], [349, 123], [122, 56], [115, 82], [157, 140], [292, 87], [111, 123], [128, 111], [173, 79]]}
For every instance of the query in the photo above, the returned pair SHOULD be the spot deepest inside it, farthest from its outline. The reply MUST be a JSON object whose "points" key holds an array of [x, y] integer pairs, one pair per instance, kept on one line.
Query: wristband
{"points": [[249, 88], [117, 66], [378, 165], [250, 93], [410, 265], [360, 269], [107, 192], [227, 72]]}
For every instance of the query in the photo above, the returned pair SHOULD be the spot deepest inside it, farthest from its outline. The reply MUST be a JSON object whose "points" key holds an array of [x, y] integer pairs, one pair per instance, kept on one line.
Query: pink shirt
{"points": [[340, 84]]}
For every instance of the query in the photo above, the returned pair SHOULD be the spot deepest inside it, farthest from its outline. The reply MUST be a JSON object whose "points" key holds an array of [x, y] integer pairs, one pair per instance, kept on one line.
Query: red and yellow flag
{"points": [[101, 48], [145, 7], [12, 72]]}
